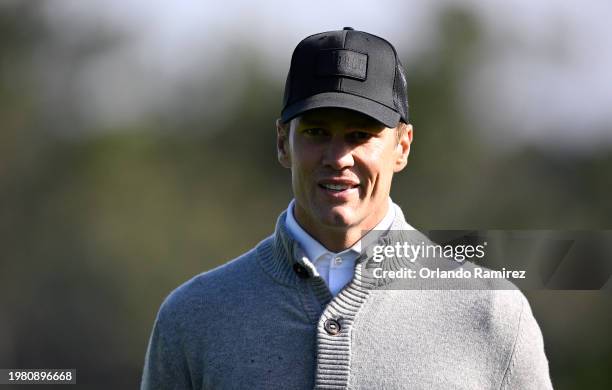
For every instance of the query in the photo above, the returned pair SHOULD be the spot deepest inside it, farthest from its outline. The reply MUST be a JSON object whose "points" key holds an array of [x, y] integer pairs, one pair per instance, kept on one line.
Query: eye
{"points": [[360, 136], [315, 132]]}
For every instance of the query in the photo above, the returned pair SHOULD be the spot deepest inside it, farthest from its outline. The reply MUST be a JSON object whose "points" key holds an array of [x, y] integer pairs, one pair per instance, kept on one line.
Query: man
{"points": [[301, 309]]}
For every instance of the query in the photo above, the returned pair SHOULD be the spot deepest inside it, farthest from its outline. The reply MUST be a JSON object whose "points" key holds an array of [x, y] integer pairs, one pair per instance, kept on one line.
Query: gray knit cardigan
{"points": [[266, 320]]}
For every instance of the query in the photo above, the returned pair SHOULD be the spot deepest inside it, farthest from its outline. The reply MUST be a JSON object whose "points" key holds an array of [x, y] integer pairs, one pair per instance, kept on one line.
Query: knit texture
{"points": [[256, 323]]}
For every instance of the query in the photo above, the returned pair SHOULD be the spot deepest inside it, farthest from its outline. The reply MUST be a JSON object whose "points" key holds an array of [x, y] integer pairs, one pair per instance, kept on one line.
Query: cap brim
{"points": [[381, 113]]}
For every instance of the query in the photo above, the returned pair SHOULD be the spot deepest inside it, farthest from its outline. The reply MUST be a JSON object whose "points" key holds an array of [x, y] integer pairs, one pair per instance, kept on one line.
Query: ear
{"points": [[403, 147], [282, 143]]}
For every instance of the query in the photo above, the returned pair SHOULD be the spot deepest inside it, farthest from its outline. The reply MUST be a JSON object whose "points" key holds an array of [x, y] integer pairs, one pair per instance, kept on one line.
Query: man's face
{"points": [[342, 163]]}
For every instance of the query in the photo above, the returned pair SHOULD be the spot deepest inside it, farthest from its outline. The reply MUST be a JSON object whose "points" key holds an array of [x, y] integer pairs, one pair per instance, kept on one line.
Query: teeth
{"points": [[336, 187]]}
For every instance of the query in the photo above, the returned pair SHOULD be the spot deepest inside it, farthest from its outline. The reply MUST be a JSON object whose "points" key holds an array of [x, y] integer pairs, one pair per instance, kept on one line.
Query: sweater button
{"points": [[300, 270], [331, 326]]}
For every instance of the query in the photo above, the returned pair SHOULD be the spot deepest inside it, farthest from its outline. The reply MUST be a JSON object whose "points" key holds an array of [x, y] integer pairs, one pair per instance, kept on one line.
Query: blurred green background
{"points": [[121, 178]]}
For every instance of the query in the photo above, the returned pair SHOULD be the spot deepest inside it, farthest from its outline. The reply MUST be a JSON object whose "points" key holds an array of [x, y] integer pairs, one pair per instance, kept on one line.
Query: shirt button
{"points": [[331, 326], [300, 271], [338, 260]]}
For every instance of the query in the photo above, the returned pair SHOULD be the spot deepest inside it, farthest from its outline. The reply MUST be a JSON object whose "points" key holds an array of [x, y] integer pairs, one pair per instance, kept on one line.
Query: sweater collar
{"points": [[280, 261], [314, 250]]}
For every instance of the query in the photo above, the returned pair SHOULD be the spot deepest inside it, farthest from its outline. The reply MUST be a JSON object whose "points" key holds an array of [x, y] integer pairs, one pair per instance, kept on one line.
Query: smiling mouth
{"points": [[337, 187]]}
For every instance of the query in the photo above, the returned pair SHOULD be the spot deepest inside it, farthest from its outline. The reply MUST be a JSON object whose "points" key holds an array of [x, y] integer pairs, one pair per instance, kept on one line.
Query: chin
{"points": [[339, 216]]}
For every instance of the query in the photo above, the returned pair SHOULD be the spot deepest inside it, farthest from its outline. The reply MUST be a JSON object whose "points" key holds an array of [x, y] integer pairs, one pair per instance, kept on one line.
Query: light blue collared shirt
{"points": [[335, 268]]}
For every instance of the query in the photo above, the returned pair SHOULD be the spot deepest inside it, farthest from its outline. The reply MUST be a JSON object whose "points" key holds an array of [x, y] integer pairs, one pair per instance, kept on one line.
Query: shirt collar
{"points": [[313, 248]]}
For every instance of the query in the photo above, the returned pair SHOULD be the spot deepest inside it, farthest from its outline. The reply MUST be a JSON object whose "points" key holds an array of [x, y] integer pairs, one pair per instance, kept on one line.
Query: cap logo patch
{"points": [[343, 63]]}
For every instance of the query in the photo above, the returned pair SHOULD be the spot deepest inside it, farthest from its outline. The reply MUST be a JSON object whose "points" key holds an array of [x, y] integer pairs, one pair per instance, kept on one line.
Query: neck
{"points": [[338, 238]]}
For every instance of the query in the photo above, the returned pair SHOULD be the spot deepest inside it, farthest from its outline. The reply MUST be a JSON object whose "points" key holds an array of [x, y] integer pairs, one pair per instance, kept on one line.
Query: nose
{"points": [[338, 154]]}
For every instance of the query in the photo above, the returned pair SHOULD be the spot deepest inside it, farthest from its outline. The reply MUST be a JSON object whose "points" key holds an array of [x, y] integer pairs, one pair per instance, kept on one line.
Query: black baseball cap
{"points": [[347, 69]]}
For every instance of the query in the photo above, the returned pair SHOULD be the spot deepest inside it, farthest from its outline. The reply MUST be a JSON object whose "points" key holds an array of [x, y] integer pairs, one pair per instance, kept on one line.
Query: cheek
{"points": [[303, 165], [304, 159], [378, 168], [378, 161]]}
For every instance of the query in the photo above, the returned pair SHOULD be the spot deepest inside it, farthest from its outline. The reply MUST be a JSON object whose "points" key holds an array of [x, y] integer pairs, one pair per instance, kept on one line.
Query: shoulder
{"points": [[497, 312], [483, 314], [177, 342], [214, 283]]}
